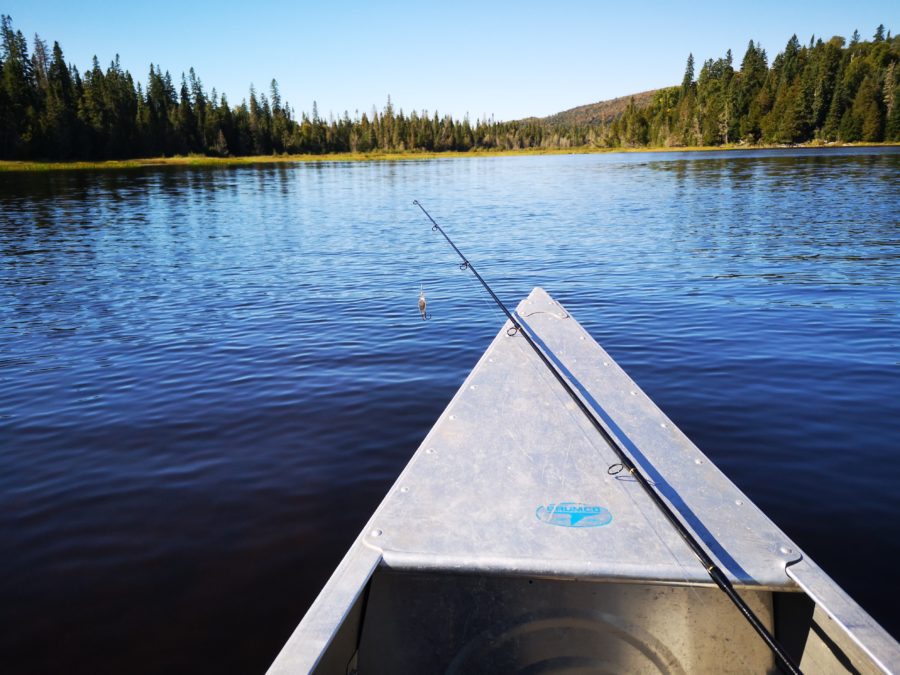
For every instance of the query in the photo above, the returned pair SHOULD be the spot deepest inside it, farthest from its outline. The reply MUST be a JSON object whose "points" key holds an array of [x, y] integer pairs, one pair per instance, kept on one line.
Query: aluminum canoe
{"points": [[509, 544]]}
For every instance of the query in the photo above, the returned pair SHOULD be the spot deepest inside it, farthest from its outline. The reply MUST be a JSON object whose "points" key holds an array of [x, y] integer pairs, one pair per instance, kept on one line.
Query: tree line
{"points": [[50, 110], [824, 90]]}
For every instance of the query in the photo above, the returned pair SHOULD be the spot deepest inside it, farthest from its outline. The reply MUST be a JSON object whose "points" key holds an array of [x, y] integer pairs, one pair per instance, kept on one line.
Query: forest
{"points": [[824, 91]]}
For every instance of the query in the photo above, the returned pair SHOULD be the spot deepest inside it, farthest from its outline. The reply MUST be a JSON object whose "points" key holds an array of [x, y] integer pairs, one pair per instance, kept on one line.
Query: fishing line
{"points": [[712, 569], [482, 295]]}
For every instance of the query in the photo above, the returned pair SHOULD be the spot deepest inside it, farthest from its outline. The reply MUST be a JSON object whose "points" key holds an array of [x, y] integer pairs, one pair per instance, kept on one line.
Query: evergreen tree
{"points": [[754, 69], [892, 103], [867, 116], [18, 93], [186, 121], [688, 81]]}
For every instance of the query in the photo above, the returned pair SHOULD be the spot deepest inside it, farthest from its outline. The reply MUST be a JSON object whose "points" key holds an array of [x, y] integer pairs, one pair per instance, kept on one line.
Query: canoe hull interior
{"points": [[413, 622], [488, 624]]}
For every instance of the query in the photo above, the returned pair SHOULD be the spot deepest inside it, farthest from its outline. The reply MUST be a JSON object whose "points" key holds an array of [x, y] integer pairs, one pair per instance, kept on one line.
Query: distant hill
{"points": [[597, 113]]}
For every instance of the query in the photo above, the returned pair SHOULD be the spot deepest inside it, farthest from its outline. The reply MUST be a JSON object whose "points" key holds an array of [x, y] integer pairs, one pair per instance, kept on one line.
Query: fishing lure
{"points": [[425, 316]]}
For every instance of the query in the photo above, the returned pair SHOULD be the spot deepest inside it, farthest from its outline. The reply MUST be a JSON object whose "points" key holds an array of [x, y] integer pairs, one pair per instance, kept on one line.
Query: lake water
{"points": [[210, 377]]}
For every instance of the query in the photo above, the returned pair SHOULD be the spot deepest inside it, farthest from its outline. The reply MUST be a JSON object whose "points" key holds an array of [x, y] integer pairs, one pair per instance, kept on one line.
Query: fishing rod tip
{"points": [[415, 202]]}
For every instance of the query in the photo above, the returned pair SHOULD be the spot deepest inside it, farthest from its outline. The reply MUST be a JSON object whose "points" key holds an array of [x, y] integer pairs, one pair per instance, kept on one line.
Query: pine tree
{"points": [[40, 64], [866, 112], [60, 112], [200, 105], [688, 81], [186, 121], [892, 103], [160, 104], [18, 94], [754, 69]]}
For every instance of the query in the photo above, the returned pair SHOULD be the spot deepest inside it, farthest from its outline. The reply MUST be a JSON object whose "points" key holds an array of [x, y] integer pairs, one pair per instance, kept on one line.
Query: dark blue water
{"points": [[210, 377]]}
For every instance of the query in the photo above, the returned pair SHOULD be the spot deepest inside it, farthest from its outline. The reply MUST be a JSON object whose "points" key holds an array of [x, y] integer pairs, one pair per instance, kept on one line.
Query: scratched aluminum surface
{"points": [[512, 478]]}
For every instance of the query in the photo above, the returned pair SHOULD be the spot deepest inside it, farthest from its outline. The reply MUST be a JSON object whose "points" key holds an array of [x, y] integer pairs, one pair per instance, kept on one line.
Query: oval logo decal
{"points": [[574, 514]]}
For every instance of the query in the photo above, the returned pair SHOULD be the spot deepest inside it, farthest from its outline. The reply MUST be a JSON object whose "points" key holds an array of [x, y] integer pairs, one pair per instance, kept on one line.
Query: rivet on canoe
{"points": [[633, 393], [698, 461], [377, 533], [452, 417], [404, 489], [430, 451], [739, 502], [663, 425]]}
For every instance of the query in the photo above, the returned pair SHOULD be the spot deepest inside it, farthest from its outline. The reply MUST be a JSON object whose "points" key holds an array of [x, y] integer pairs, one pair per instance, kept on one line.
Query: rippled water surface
{"points": [[210, 377]]}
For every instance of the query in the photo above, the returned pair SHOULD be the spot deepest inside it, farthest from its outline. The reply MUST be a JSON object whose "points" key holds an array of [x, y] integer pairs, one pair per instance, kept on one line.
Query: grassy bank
{"points": [[203, 161]]}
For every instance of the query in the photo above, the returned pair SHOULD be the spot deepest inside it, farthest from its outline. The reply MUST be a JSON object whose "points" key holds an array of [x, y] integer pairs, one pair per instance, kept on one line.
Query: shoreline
{"points": [[204, 161]]}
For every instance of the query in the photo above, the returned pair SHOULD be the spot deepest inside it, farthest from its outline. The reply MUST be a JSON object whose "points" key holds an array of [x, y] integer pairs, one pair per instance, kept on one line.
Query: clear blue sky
{"points": [[511, 59]]}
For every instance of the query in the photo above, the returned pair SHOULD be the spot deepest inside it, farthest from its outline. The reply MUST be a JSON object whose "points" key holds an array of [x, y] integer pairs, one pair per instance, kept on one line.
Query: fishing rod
{"points": [[715, 573]]}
